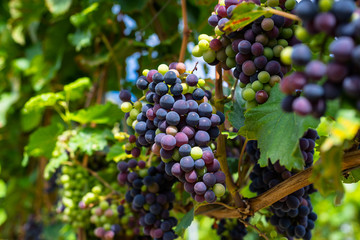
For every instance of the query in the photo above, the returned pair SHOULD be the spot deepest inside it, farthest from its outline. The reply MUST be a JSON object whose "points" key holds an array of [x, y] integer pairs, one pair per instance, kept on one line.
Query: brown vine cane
{"points": [[351, 160]]}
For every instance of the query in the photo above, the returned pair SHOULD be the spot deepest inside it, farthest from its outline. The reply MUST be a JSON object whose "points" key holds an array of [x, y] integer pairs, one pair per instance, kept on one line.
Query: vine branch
{"points": [[283, 14], [186, 32], [254, 227], [221, 150], [302, 179]]}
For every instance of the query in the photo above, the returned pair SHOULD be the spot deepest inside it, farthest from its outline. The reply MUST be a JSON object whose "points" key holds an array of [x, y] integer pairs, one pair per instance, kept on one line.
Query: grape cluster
{"points": [[74, 181], [229, 229], [178, 123], [320, 81], [253, 51], [150, 195], [106, 218], [293, 215]]}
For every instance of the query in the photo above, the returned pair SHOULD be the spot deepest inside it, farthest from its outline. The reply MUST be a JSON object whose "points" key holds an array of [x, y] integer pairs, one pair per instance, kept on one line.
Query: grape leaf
{"points": [[130, 6], [2, 188], [41, 101], [58, 7], [236, 114], [277, 132], [185, 222], [89, 140], [244, 14], [42, 142], [76, 89], [100, 114], [116, 152], [3, 216], [54, 163], [352, 176]]}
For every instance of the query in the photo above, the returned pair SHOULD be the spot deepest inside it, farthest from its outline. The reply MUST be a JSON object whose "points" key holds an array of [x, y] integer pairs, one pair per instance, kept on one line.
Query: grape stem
{"points": [[81, 234], [283, 14], [221, 150], [195, 67], [113, 56], [232, 94], [186, 32], [241, 162], [254, 227]]}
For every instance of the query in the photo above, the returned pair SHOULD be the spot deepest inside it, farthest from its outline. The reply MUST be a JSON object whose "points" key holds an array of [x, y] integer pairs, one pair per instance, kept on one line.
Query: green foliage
{"points": [[90, 140], [244, 14], [269, 125], [116, 152], [58, 7], [185, 222], [100, 114], [236, 114], [76, 89], [42, 142]]}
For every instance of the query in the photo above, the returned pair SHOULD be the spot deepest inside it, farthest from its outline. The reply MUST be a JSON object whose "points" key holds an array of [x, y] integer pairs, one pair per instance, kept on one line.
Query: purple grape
{"points": [[168, 142], [187, 163], [200, 188]]}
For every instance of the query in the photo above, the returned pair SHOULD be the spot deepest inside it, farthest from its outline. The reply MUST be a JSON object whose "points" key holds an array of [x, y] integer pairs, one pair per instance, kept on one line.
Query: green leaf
{"points": [[277, 132], [100, 114], [352, 176], [3, 216], [58, 7], [2, 188], [327, 173], [116, 151], [76, 89], [6, 101], [30, 120], [130, 6], [89, 140], [185, 222], [80, 39], [41, 101], [236, 115], [244, 14], [80, 18], [42, 142]]}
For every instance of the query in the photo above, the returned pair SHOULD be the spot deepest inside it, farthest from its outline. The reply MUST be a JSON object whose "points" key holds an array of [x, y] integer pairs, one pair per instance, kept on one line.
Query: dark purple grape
{"points": [[172, 118], [343, 10], [187, 163], [301, 54], [215, 44], [325, 22], [161, 89], [176, 89], [142, 83], [336, 72], [351, 86], [192, 119], [260, 62], [168, 142], [244, 47], [213, 20], [170, 77], [342, 48], [202, 138], [261, 96], [167, 101], [204, 123], [306, 10], [257, 49], [315, 70], [192, 79], [249, 68], [209, 179], [198, 94], [210, 196], [193, 105], [313, 92], [205, 110], [141, 128], [125, 95], [199, 164], [273, 67], [200, 188]]}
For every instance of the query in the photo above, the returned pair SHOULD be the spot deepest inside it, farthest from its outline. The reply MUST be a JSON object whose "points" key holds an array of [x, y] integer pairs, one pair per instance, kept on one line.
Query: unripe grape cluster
{"points": [[318, 81], [178, 123], [293, 215], [254, 51], [149, 194], [74, 181]]}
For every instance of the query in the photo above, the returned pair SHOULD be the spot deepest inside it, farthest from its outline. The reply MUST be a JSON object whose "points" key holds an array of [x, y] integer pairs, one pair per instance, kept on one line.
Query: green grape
{"points": [[201, 172], [272, 43], [230, 62], [274, 79], [209, 56], [129, 121], [267, 88], [277, 50], [64, 178], [203, 37], [268, 53], [285, 55], [145, 72], [201, 82], [290, 4], [229, 51], [264, 77], [325, 5], [272, 3], [96, 189], [163, 68], [221, 55], [196, 51], [287, 33], [242, 85], [219, 190], [248, 94], [302, 34], [134, 124], [257, 86], [204, 45], [126, 107], [185, 88], [218, 32], [283, 42], [251, 104], [196, 153], [133, 113], [138, 105]]}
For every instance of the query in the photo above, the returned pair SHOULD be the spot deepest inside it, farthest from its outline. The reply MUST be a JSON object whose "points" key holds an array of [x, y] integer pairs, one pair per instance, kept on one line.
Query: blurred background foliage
{"points": [[45, 44]]}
